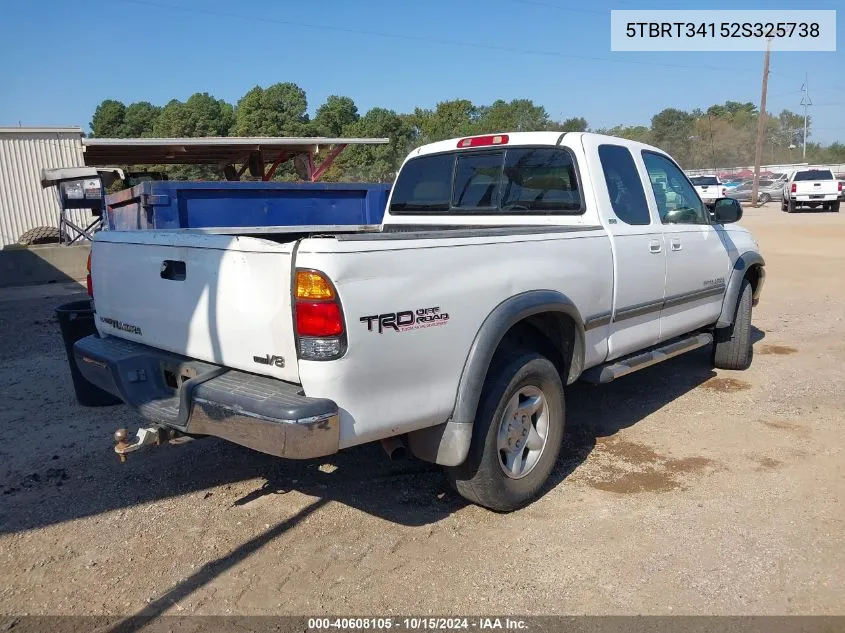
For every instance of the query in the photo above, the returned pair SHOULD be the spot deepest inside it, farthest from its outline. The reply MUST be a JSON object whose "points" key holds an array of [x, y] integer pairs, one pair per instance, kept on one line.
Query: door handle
{"points": [[654, 246], [676, 245]]}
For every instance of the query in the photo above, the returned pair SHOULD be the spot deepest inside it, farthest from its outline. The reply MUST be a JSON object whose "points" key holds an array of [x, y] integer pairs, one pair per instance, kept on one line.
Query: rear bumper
{"points": [[261, 413], [829, 197]]}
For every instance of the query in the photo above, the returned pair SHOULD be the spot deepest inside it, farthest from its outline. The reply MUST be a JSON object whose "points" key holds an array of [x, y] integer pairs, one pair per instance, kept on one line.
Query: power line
{"points": [[422, 38], [559, 8]]}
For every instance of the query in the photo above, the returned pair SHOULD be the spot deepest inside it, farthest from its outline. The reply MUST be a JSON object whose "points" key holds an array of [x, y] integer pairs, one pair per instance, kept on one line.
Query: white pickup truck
{"points": [[709, 189], [811, 188], [507, 267]]}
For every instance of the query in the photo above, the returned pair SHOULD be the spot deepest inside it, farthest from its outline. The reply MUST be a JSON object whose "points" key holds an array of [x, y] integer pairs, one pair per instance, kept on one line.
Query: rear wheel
{"points": [[835, 207], [790, 206], [517, 434], [732, 346], [764, 198]]}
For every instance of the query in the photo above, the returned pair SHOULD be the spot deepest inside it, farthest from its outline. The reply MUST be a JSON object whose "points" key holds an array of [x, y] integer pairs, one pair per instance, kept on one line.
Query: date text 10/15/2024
{"points": [[417, 624]]}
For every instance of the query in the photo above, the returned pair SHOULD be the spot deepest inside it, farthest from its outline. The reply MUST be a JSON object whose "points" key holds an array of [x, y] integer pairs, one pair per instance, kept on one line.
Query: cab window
{"points": [[677, 201]]}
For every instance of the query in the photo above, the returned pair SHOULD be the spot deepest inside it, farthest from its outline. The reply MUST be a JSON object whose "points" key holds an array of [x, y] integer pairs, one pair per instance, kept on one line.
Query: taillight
{"points": [[840, 185], [88, 282], [724, 192], [794, 187], [483, 141], [319, 319]]}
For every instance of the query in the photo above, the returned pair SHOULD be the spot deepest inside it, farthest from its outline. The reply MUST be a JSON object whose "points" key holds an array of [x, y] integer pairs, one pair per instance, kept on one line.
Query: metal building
{"points": [[24, 151]]}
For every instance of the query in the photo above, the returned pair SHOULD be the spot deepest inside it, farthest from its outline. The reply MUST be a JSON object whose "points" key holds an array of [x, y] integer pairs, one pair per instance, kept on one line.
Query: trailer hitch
{"points": [[144, 437]]}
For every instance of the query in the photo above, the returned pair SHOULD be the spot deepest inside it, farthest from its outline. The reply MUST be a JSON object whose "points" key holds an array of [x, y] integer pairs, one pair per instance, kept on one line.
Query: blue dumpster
{"points": [[173, 204]]}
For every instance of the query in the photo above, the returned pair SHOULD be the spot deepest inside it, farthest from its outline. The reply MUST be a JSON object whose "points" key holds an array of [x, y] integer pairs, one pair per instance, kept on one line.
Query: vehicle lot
{"points": [[681, 490]]}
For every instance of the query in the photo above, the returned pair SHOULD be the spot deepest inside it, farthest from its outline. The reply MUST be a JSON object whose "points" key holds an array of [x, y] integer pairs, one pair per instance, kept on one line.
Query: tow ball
{"points": [[150, 436]]}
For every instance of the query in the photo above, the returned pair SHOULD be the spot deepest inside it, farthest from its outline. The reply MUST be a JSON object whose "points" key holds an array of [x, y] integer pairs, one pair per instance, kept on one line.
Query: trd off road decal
{"points": [[406, 320]]}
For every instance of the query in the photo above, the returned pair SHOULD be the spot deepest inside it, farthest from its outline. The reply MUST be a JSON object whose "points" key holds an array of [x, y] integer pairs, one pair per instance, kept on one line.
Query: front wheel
{"points": [[517, 434], [732, 345], [764, 198]]}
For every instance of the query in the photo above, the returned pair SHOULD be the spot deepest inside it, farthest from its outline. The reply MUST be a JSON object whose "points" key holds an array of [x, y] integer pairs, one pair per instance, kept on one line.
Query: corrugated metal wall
{"points": [[23, 153]]}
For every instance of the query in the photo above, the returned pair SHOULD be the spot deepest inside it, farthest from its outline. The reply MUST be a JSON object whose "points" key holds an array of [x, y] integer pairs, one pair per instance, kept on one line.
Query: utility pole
{"points": [[761, 124], [806, 102]]}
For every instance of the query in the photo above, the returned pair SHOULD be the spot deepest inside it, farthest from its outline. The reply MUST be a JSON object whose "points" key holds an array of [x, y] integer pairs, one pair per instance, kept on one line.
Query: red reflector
{"points": [[90, 285], [318, 319], [794, 187], [482, 141]]}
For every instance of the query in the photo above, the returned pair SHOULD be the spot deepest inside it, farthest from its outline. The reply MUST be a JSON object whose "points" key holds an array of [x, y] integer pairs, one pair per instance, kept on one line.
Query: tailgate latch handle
{"points": [[173, 269]]}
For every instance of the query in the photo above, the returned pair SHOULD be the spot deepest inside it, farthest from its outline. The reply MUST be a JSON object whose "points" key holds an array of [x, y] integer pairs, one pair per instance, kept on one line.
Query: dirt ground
{"points": [[682, 490]]}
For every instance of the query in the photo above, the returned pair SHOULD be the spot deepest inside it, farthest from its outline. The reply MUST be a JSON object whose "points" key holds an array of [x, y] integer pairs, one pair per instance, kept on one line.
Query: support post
{"points": [[315, 174], [761, 125]]}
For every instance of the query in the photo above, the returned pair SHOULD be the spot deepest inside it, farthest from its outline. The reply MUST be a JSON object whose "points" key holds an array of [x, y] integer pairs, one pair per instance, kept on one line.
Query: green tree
{"points": [[279, 110], [574, 124], [672, 130], [377, 163], [519, 115], [334, 117], [139, 120], [108, 119], [639, 133], [449, 119]]}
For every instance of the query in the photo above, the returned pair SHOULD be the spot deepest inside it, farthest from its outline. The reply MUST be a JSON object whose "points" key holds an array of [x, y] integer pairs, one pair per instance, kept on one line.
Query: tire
{"points": [[514, 377], [834, 206], [790, 206], [783, 204], [764, 198], [41, 235], [732, 348]]}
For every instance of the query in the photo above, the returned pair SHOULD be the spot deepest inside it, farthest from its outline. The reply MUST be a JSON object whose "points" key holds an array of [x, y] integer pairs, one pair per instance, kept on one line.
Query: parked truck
{"points": [[811, 188], [506, 267], [709, 188]]}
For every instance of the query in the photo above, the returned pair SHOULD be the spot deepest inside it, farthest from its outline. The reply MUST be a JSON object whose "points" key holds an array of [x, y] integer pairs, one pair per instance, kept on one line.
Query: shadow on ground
{"points": [[91, 481]]}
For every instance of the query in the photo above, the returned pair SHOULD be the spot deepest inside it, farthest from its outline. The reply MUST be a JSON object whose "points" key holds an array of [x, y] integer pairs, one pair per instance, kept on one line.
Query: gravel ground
{"points": [[682, 490]]}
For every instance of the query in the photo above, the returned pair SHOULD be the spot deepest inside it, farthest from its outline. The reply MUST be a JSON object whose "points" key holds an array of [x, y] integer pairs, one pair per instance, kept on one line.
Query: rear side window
{"points": [[814, 174], [520, 180], [624, 186], [424, 185]]}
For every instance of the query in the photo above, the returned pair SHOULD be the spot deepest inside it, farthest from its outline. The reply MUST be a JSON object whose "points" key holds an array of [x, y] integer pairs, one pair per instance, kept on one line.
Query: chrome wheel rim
{"points": [[523, 431]]}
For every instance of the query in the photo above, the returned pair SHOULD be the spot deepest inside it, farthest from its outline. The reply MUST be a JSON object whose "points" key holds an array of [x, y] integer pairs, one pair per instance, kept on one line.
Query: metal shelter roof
{"points": [[223, 150]]}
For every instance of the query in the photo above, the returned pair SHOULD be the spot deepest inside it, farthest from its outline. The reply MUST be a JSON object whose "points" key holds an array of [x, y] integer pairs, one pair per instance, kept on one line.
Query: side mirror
{"points": [[727, 211]]}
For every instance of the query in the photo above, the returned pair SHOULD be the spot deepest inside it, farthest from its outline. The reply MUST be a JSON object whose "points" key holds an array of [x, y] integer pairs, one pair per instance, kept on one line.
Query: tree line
{"points": [[720, 136]]}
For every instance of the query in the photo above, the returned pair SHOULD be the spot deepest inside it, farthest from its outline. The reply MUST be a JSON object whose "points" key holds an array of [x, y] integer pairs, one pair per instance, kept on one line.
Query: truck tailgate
{"points": [[216, 298], [816, 188]]}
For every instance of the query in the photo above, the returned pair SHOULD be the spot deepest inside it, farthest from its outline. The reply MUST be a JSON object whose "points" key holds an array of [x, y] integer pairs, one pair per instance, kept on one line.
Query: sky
{"points": [[63, 58]]}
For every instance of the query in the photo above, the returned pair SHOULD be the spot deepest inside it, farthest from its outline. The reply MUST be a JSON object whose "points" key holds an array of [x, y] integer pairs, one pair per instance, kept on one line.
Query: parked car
{"points": [[766, 191], [812, 188], [709, 188], [506, 267], [732, 183]]}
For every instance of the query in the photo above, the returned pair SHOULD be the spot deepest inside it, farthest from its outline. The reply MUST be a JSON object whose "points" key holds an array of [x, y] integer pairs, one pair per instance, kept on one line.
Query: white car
{"points": [[811, 188], [709, 188], [507, 267]]}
